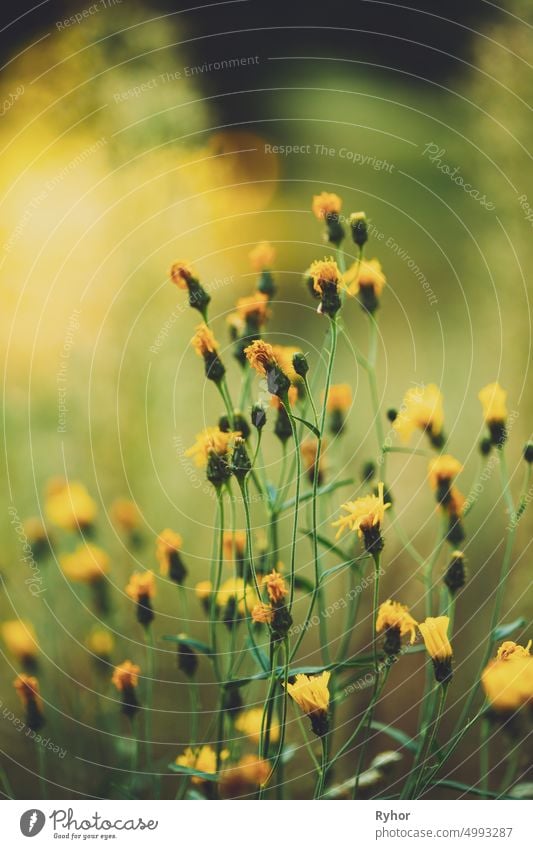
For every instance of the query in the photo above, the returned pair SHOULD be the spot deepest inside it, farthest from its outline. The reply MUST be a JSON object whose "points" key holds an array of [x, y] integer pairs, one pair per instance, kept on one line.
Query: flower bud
{"points": [[300, 364]]}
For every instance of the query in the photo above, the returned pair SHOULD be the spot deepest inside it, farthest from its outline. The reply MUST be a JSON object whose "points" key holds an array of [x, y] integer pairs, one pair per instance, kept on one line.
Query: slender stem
{"points": [[217, 572], [319, 789], [194, 701], [41, 762], [306, 740], [7, 784], [375, 606], [296, 503], [484, 756], [443, 689], [222, 387]]}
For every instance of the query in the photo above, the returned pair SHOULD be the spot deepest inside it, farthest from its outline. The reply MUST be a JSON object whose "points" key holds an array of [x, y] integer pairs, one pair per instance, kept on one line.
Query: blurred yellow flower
{"points": [[125, 515], [20, 639], [100, 642], [365, 274], [493, 401], [234, 544], [421, 408], [339, 398], [69, 505], [249, 723], [443, 469], [262, 256], [508, 679], [326, 203], [141, 586], [204, 341], [202, 758], [234, 588], [87, 564], [181, 272], [126, 675]]}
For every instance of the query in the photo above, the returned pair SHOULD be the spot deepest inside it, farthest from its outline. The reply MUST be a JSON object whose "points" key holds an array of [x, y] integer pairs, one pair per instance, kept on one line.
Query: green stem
{"points": [[484, 756], [41, 762], [319, 789], [419, 775]]}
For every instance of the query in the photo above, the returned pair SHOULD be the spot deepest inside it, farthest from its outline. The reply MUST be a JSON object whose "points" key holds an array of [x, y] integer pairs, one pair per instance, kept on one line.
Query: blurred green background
{"points": [[103, 186]]}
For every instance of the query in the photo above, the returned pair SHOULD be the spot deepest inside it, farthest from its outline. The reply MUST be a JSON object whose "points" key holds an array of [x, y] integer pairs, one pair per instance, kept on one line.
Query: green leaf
{"points": [[466, 788], [522, 791], [188, 641], [397, 735], [503, 631], [196, 773], [311, 427], [340, 566], [331, 487]]}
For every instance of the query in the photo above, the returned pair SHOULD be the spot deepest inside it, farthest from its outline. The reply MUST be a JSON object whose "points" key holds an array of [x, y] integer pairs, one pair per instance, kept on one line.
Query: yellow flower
{"points": [[244, 777], [421, 408], [366, 274], [276, 587], [326, 203], [126, 675], [435, 635], [125, 514], [181, 272], [168, 545], [262, 256], [69, 505], [87, 564], [443, 469], [141, 586], [392, 614], [263, 614], [508, 679], [249, 723], [202, 758], [21, 640], [204, 341], [27, 687], [203, 590], [253, 308], [35, 531], [509, 649], [284, 355], [211, 439], [363, 514], [308, 450], [493, 400], [260, 356], [234, 588], [234, 542], [100, 642], [324, 272], [311, 694], [339, 398]]}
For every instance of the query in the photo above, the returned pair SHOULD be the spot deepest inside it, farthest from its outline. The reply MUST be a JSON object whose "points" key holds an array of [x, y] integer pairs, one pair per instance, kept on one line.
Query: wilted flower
{"points": [[206, 346], [263, 360], [183, 276]]}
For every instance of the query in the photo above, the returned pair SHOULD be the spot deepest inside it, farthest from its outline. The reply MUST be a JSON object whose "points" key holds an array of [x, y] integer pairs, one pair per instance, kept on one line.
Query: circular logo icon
{"points": [[32, 822]]}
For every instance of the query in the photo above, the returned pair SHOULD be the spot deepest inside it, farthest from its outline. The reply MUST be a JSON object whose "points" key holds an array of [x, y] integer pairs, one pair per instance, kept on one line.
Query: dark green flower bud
{"points": [[300, 364], [528, 452], [259, 417]]}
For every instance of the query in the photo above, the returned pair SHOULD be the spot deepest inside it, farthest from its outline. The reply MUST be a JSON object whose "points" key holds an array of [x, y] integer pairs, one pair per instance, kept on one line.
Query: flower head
{"points": [[493, 401], [249, 723], [21, 640], [262, 614], [510, 650], [393, 616], [422, 408], [87, 564], [253, 309], [443, 469], [69, 505], [234, 544], [284, 356], [28, 691], [244, 777], [204, 341], [100, 642], [211, 440], [339, 398], [125, 515], [181, 272], [235, 591], [168, 556], [326, 278], [309, 449], [262, 256], [311, 694], [366, 279], [203, 590], [260, 356], [276, 587], [202, 758], [126, 676], [508, 679], [141, 586], [325, 204], [435, 635], [364, 515]]}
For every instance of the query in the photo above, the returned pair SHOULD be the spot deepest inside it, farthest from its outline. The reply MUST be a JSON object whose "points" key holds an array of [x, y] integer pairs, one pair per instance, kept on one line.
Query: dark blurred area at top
{"points": [[425, 38]]}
